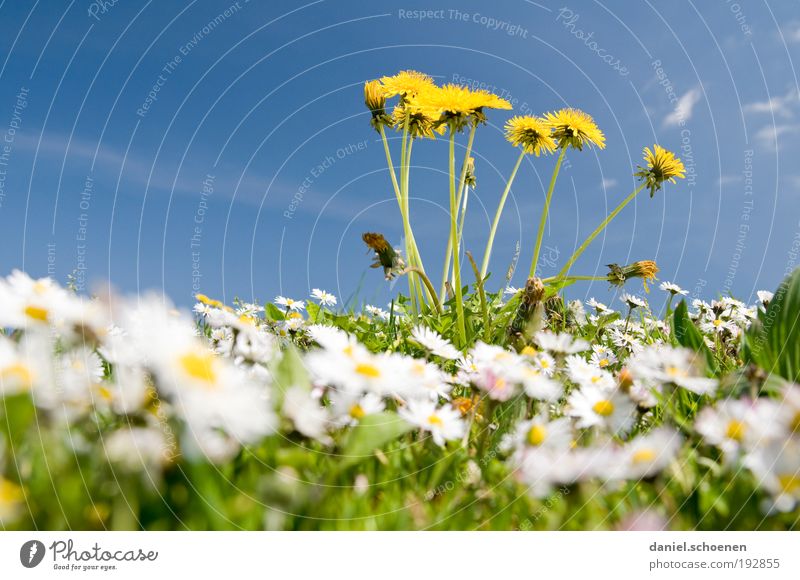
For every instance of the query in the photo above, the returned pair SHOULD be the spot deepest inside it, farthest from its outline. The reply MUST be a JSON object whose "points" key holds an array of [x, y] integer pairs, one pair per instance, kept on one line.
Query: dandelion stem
{"points": [[428, 285], [546, 210], [482, 295], [453, 233], [488, 252], [449, 251], [407, 238], [599, 229], [560, 278]]}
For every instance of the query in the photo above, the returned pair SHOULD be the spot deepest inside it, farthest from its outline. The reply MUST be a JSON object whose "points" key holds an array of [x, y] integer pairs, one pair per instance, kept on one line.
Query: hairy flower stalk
{"points": [[662, 165], [571, 128], [462, 187], [454, 241]]}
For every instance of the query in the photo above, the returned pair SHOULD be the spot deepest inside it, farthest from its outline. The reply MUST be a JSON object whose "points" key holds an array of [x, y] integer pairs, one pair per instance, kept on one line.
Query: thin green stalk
{"points": [[459, 237], [428, 285], [449, 251], [389, 162], [411, 245], [488, 252], [411, 280], [599, 229], [453, 232], [560, 277], [482, 295], [546, 211]]}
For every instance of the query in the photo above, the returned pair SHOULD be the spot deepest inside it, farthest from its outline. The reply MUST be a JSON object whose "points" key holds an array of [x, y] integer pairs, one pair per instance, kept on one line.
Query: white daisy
{"points": [[561, 342], [596, 407], [376, 312], [673, 288], [633, 301], [443, 423], [289, 303], [435, 343], [323, 297]]}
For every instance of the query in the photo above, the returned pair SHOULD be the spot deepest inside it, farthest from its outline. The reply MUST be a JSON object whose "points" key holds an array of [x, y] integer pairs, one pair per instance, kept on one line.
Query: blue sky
{"points": [[149, 142]]}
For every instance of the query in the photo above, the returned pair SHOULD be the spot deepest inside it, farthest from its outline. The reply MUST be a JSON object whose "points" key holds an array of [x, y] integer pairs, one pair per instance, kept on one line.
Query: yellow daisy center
{"points": [[357, 411], [789, 482], [368, 370], [795, 424], [537, 435], [9, 492], [19, 372], [435, 420], [37, 313], [199, 366], [643, 456], [603, 362], [735, 430], [603, 408]]}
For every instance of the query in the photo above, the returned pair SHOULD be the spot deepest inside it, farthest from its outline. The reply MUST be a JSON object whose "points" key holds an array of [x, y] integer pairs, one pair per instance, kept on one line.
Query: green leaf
{"points": [[290, 371], [773, 341], [687, 334], [371, 433], [274, 313]]}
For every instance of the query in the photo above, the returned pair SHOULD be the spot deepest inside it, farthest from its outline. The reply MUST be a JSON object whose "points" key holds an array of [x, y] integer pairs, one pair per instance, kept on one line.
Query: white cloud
{"points": [[791, 32], [728, 179], [683, 110], [769, 134], [608, 183], [782, 106]]}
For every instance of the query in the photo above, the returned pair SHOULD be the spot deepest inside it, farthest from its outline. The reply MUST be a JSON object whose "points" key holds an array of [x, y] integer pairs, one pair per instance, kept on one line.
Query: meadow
{"points": [[452, 408]]}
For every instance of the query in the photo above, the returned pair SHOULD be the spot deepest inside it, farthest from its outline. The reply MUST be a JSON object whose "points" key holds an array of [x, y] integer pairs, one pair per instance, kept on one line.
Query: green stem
{"points": [[599, 229], [546, 211], [428, 285], [560, 277], [449, 251], [409, 256], [453, 233], [411, 244], [482, 294], [488, 252]]}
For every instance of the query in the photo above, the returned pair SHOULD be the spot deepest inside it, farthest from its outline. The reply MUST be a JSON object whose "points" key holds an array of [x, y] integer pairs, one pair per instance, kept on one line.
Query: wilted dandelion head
{"points": [[572, 127], [644, 269], [385, 255], [531, 133], [662, 165]]}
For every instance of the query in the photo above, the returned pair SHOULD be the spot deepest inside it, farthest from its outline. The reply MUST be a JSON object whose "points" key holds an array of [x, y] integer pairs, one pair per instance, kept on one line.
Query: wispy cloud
{"points": [[769, 134], [791, 31], [684, 108], [608, 183], [782, 106]]}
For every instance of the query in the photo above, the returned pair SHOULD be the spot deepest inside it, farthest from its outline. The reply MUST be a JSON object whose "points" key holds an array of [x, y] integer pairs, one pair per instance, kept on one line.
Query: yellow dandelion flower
{"points": [[532, 133], [420, 124], [575, 128], [375, 99], [456, 105], [662, 165], [406, 83]]}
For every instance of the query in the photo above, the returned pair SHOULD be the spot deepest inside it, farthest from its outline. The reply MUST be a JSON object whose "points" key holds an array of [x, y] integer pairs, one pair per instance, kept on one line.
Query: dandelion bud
{"points": [[375, 99]]}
